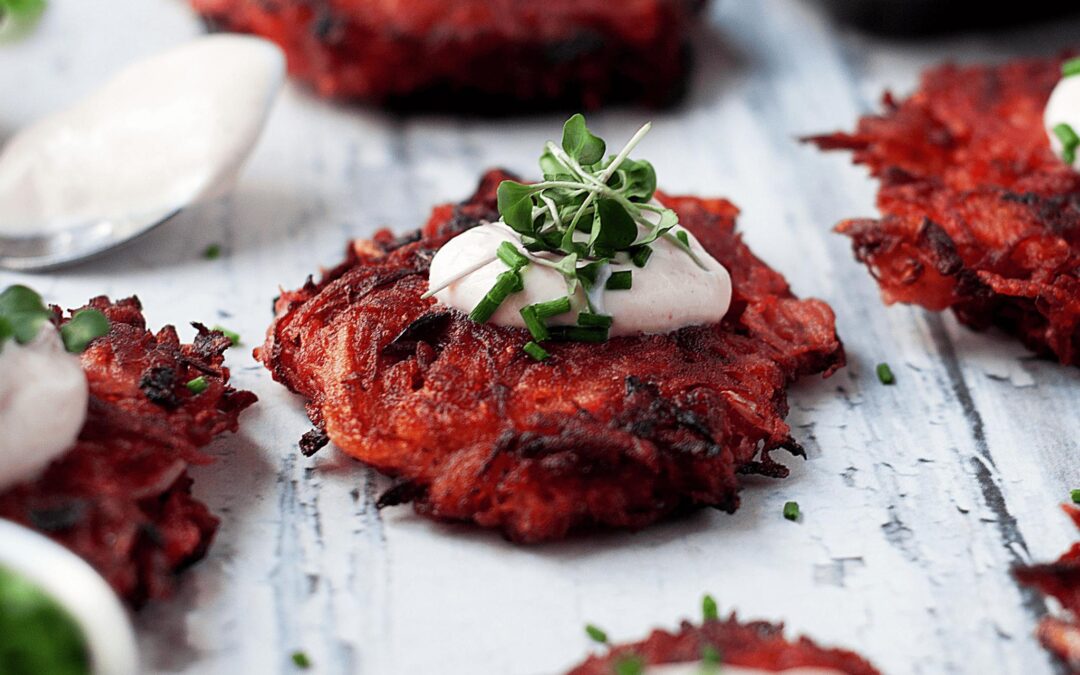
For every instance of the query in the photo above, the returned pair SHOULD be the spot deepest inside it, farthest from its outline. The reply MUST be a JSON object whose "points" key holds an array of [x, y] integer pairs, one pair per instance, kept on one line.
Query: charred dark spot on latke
{"points": [[158, 383], [942, 248], [429, 329], [56, 518], [403, 492], [313, 441]]}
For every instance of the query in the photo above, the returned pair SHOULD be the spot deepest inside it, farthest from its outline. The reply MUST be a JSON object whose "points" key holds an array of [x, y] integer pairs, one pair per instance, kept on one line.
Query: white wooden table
{"points": [[917, 498]]}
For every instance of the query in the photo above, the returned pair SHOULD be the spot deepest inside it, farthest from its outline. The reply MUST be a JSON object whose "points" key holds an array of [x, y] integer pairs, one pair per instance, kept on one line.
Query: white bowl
{"points": [[80, 590]]}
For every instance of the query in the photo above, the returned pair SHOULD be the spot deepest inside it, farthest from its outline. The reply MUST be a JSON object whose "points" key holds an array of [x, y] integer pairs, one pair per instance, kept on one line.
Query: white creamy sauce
{"points": [[163, 133], [1064, 107], [670, 292], [695, 668], [43, 398]]}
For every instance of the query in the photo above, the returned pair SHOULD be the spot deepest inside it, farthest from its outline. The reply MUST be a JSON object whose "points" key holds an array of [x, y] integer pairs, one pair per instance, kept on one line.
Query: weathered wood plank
{"points": [[917, 497]]}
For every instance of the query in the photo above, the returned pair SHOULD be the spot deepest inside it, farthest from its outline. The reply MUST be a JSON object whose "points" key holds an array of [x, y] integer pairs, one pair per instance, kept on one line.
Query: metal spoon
{"points": [[43, 252]]}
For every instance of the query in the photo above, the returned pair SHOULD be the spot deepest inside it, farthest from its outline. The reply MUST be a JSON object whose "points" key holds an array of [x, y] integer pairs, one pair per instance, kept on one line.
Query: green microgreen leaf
{"points": [[197, 385], [18, 17], [1070, 67], [791, 511], [515, 203], [709, 609], [84, 326], [618, 230], [639, 182], [37, 634], [885, 374], [580, 143], [534, 350], [24, 312]]}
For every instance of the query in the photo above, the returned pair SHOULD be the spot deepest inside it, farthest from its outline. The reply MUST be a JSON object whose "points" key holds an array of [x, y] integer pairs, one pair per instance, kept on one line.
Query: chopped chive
{"points": [[301, 660], [507, 283], [596, 634], [791, 511], [885, 374], [546, 310], [597, 320], [198, 385], [536, 351], [1069, 142], [683, 237], [233, 336], [1070, 67], [212, 252], [709, 609], [629, 665], [1075, 494], [620, 281], [710, 658], [534, 323], [640, 255], [513, 258], [578, 333]]}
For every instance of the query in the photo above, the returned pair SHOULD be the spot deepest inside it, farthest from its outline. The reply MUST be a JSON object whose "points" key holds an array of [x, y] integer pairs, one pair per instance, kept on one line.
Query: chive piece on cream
{"points": [[1075, 495], [513, 258], [507, 283], [791, 511], [620, 281], [534, 350], [301, 660], [641, 255], [534, 323], [595, 320], [197, 385]]}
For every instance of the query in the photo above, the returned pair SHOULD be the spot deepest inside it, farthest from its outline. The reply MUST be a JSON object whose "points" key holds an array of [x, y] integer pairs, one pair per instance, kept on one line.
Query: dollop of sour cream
{"points": [[163, 133], [669, 293], [1063, 108], [43, 399]]}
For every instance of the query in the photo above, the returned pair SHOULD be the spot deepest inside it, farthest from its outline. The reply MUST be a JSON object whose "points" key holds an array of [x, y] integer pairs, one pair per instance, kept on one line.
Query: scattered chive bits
{"points": [[1075, 495], [233, 336], [885, 374], [630, 665], [212, 252], [197, 385], [709, 610], [791, 511], [1070, 141], [595, 634], [301, 660], [1070, 68]]}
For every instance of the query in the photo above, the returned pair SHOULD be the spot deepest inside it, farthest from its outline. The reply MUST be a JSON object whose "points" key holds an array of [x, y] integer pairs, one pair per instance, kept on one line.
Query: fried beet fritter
{"points": [[756, 644], [121, 498], [618, 434], [1061, 580], [980, 216], [476, 55]]}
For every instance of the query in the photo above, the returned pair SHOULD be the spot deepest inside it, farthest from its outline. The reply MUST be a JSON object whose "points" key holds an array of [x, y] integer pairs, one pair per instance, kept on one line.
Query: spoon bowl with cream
{"points": [[163, 134]]}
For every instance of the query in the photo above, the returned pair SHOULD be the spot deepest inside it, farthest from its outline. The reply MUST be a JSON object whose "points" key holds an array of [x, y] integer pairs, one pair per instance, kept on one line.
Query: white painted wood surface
{"points": [[917, 498]]}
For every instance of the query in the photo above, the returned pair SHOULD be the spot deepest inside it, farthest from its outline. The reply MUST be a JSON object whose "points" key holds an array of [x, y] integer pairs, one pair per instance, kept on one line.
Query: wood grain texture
{"points": [[917, 497]]}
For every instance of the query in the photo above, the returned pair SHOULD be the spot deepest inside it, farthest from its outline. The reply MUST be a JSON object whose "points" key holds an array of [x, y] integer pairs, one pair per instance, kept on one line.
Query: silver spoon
{"points": [[44, 252]]}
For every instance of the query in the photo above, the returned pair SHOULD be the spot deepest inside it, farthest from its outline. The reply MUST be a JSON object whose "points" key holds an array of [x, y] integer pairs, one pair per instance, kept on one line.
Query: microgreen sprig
{"points": [[23, 313], [586, 214]]}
